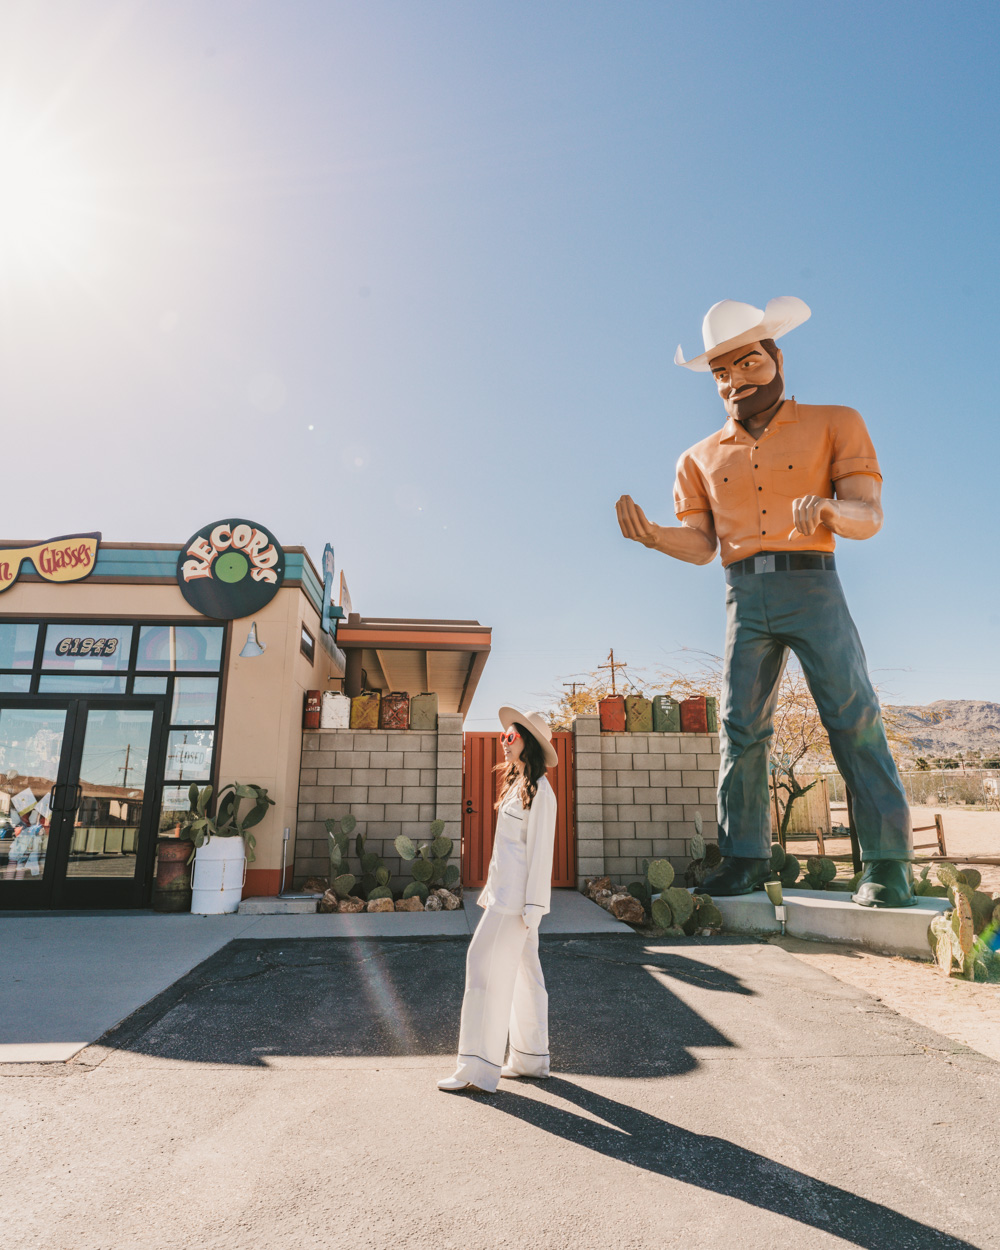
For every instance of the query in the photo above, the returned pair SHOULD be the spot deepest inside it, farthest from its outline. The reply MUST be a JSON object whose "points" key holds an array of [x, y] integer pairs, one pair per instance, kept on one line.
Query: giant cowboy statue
{"points": [[772, 488]]}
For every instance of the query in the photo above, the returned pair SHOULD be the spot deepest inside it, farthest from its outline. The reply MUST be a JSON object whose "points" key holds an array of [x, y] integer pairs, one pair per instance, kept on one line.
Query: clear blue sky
{"points": [[408, 277]]}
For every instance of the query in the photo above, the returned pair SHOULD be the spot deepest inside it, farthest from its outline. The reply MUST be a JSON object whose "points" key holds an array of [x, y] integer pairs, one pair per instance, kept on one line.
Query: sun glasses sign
{"points": [[230, 569], [70, 558]]}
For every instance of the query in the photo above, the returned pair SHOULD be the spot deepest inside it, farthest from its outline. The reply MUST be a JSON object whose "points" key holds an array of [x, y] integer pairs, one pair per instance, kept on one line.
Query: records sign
{"points": [[230, 569]]}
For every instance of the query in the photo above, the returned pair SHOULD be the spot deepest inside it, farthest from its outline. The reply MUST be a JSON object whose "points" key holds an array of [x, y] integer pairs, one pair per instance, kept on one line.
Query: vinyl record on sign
{"points": [[230, 568]]}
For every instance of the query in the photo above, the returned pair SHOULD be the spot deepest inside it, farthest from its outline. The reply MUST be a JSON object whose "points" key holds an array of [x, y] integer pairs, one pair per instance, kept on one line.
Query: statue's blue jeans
{"points": [[804, 611]]}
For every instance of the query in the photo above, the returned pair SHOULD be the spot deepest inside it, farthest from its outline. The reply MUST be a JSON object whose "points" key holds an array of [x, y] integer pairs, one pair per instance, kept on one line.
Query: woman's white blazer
{"points": [[520, 875]]}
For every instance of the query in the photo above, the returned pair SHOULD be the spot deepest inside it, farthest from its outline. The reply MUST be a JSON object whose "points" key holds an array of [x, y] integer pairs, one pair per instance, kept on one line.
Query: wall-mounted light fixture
{"points": [[252, 646]]}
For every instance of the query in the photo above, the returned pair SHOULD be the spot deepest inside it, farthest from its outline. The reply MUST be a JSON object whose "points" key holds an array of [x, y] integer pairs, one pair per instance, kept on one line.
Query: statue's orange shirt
{"points": [[749, 484]]}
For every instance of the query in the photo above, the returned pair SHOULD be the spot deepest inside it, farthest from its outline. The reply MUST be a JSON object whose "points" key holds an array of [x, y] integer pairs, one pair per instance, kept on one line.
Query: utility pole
{"points": [[613, 664], [128, 749]]}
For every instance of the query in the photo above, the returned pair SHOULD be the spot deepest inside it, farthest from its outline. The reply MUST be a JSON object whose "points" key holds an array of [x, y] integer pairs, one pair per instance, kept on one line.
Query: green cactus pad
{"points": [[777, 856], [697, 823], [660, 874], [973, 877], [696, 847], [368, 883], [380, 891], [416, 888], [422, 869], [713, 855], [828, 870], [370, 861], [437, 828], [814, 866], [348, 823], [663, 917], [405, 848], [961, 922], [947, 874], [710, 917], [344, 884], [441, 848], [790, 871], [382, 875], [681, 904], [638, 890], [452, 876]]}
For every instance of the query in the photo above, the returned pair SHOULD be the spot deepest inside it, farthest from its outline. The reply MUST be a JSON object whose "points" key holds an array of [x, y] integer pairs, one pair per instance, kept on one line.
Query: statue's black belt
{"points": [[781, 562]]}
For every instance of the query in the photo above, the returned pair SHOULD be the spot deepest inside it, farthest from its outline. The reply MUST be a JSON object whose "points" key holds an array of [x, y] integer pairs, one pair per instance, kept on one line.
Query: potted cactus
{"points": [[223, 845]]}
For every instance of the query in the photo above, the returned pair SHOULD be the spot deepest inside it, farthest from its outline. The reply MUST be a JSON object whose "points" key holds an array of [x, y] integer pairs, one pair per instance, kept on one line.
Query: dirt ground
{"points": [[966, 1013]]}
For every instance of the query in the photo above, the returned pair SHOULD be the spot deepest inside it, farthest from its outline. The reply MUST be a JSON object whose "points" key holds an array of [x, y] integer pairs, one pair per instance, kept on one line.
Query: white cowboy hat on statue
{"points": [[730, 324]]}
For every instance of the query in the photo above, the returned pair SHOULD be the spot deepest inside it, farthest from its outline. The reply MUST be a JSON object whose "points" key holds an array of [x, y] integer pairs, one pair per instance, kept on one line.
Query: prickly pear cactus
{"points": [[778, 857], [405, 848], [416, 888], [790, 870], [662, 915], [697, 845], [973, 877], [660, 875], [681, 904], [344, 884]]}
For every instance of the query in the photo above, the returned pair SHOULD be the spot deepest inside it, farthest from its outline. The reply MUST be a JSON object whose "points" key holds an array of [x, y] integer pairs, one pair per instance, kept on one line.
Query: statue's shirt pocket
{"points": [[793, 482]]}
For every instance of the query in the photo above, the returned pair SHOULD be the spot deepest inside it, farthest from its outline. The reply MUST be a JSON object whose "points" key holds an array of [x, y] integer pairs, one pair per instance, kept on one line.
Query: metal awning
{"points": [[446, 658]]}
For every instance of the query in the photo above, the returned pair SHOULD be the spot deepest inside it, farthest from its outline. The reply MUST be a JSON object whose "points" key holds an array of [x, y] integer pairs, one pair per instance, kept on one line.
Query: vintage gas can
{"points": [[311, 719], [638, 714], [424, 712], [395, 711], [335, 711], [694, 715], [666, 715], [712, 714], [612, 710], [364, 710]]}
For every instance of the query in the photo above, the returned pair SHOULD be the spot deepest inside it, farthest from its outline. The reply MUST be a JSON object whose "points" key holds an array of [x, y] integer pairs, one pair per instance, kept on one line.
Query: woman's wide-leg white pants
{"points": [[504, 994]]}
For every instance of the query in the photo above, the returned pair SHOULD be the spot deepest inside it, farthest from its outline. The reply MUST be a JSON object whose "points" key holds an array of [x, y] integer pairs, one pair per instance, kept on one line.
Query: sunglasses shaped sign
{"points": [[230, 569], [70, 558]]}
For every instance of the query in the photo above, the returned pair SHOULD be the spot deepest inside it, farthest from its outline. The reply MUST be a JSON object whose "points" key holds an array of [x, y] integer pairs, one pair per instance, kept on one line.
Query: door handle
{"points": [[469, 809]]}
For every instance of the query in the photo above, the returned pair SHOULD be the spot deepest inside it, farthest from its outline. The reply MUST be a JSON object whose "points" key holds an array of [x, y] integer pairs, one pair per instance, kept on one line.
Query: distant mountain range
{"points": [[947, 726]]}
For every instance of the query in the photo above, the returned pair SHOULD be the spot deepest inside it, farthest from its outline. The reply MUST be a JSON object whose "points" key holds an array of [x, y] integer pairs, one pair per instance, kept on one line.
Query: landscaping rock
{"points": [[380, 904], [409, 904], [595, 885], [351, 905], [625, 907], [315, 885], [433, 903], [448, 900], [328, 902], [603, 899]]}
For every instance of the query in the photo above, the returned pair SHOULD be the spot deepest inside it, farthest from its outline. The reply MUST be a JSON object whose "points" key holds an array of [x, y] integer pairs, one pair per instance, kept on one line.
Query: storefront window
{"points": [[189, 755], [70, 683], [30, 746], [194, 701], [175, 811], [82, 647], [17, 645], [150, 685], [180, 648], [14, 683]]}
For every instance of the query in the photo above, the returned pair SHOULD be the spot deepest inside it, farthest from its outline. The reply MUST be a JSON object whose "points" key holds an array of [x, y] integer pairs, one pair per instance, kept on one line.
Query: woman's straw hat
{"points": [[538, 727]]}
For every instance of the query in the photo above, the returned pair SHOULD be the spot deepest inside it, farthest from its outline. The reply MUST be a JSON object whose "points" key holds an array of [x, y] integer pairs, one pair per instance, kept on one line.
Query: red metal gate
{"points": [[480, 787]]}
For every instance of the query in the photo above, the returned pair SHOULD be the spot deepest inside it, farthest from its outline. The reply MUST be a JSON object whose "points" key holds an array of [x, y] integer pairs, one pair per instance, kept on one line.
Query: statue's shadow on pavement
{"points": [[714, 1164]]}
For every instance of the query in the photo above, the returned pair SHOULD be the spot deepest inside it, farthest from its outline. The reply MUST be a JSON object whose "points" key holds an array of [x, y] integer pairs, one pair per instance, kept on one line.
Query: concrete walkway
{"points": [[66, 979], [705, 1092]]}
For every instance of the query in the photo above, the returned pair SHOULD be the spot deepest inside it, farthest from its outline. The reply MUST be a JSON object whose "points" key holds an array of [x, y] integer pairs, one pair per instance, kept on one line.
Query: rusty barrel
{"points": [[172, 887]]}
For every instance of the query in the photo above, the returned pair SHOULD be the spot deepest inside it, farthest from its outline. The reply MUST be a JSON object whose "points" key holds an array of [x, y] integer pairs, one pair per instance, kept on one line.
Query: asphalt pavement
{"points": [[710, 1092]]}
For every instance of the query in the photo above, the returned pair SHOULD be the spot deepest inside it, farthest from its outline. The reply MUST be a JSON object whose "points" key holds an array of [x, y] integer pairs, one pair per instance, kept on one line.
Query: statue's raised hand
{"points": [[634, 523]]}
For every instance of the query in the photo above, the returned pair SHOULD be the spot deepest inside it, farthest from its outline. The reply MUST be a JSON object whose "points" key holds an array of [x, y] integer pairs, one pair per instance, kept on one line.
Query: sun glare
{"points": [[46, 209]]}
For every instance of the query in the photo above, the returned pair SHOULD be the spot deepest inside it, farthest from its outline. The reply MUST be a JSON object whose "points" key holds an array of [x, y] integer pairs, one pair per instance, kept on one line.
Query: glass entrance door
{"points": [[78, 777]]}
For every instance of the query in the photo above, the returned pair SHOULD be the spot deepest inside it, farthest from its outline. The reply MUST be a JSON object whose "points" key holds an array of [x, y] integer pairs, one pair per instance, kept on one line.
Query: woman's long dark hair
{"points": [[534, 769]]}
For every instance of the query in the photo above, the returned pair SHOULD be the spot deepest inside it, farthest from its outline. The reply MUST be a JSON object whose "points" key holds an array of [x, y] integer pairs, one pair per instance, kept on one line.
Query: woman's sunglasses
{"points": [[510, 737]]}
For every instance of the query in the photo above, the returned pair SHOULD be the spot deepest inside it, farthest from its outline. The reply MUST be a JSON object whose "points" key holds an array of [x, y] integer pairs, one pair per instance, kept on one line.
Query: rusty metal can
{"points": [[612, 710], [694, 715], [395, 711], [172, 887], [313, 707]]}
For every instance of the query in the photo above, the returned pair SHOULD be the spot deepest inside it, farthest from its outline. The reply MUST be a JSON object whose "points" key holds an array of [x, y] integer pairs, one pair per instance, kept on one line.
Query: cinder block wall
{"points": [[391, 781], [637, 795]]}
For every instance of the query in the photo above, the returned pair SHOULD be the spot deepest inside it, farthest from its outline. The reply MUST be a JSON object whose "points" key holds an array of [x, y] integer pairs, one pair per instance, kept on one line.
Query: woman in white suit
{"points": [[504, 987]]}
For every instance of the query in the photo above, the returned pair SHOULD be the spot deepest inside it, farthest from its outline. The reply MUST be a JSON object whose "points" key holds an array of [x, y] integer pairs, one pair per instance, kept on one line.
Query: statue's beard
{"points": [[760, 400]]}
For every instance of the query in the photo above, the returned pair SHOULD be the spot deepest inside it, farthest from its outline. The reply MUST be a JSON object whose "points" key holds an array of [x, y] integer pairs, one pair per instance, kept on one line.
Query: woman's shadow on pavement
{"points": [[717, 1165]]}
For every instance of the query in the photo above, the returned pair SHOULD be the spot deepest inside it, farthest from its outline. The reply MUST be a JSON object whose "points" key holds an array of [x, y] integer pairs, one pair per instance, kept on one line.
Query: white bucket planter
{"points": [[220, 870]]}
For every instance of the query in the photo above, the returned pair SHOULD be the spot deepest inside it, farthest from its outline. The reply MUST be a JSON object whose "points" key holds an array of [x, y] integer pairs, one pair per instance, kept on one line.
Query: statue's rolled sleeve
{"points": [[690, 493], [853, 450]]}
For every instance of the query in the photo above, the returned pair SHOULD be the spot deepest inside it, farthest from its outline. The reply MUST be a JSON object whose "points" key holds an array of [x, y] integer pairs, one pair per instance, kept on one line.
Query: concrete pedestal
{"points": [[832, 917], [279, 906]]}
